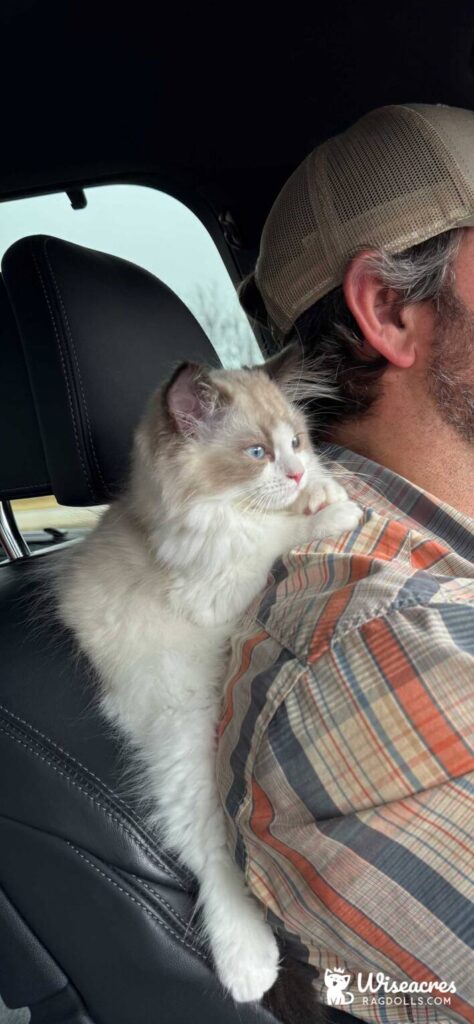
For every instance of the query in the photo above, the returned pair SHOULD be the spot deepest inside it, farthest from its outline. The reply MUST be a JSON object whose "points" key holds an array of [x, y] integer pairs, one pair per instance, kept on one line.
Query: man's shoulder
{"points": [[319, 593]]}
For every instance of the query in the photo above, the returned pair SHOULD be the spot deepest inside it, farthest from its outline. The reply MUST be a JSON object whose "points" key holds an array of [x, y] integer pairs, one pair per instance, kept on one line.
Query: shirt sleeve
{"points": [[353, 821]]}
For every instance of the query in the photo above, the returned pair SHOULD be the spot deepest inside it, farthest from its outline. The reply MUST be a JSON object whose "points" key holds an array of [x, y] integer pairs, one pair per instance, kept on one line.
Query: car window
{"points": [[161, 234], [155, 231]]}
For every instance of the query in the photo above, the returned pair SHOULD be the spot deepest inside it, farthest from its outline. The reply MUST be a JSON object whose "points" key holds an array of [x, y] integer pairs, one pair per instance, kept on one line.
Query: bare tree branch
{"points": [[226, 325]]}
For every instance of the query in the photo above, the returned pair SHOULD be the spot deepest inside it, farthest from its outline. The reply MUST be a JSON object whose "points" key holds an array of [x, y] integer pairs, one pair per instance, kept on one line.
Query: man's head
{"points": [[367, 258]]}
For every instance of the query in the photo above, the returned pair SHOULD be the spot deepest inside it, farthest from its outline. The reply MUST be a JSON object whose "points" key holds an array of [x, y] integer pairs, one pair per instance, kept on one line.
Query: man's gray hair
{"points": [[331, 336]]}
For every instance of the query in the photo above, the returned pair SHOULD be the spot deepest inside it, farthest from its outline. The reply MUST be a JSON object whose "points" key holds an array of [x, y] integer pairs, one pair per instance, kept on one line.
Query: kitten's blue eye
{"points": [[296, 442], [257, 451]]}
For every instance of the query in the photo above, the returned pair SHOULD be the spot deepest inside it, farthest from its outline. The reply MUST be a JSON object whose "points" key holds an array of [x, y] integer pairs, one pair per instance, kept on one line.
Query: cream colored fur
{"points": [[154, 593]]}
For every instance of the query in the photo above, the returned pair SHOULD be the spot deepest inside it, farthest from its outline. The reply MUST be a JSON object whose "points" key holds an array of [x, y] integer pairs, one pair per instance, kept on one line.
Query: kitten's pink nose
{"points": [[295, 476]]}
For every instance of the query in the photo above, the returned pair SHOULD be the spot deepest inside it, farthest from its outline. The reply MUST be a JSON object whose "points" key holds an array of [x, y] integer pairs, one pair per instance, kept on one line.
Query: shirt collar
{"points": [[366, 479]]}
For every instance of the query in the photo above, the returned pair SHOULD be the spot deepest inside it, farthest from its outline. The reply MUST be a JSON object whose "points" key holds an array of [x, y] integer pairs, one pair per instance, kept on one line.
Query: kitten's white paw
{"points": [[326, 493], [344, 516], [252, 966]]}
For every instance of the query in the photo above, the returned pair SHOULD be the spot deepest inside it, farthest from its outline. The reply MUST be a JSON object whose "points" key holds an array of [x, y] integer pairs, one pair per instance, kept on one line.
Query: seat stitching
{"points": [[63, 365], [69, 778], [87, 771], [142, 906], [69, 334], [157, 896], [31, 487], [66, 753]]}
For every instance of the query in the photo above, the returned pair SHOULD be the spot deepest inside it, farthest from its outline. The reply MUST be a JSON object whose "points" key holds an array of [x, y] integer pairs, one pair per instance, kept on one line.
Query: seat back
{"points": [[23, 471], [99, 922], [98, 335]]}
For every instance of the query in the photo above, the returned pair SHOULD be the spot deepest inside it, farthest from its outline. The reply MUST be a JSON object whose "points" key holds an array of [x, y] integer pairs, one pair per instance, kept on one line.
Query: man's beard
{"points": [[451, 370]]}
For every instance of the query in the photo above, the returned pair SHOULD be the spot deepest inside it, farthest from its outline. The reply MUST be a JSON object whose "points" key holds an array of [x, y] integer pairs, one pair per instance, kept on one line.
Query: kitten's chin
{"points": [[278, 502], [291, 500]]}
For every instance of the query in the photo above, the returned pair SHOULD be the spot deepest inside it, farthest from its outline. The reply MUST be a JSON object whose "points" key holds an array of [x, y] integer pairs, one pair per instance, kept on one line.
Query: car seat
{"points": [[97, 922]]}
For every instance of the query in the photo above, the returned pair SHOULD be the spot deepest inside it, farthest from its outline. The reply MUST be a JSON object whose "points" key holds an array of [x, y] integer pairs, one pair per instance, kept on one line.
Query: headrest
{"points": [[99, 334], [23, 472]]}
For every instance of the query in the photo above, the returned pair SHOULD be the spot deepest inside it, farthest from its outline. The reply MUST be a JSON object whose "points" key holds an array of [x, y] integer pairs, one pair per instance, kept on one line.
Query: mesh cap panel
{"points": [[400, 175]]}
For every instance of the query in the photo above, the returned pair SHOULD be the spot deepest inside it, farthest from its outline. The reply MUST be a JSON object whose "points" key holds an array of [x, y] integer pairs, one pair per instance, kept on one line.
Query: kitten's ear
{"points": [[189, 397], [285, 365], [299, 375]]}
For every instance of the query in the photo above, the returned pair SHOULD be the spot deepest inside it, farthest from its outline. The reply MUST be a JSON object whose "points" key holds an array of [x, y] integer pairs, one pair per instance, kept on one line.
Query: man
{"points": [[344, 760]]}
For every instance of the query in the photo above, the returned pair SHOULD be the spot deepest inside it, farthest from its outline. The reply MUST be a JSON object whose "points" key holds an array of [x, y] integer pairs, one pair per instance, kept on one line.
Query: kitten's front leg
{"points": [[243, 946], [328, 509], [321, 490], [337, 518], [332, 521]]}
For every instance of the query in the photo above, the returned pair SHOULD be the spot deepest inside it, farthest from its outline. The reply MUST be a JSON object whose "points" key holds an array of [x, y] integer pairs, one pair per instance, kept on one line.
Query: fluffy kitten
{"points": [[223, 480]]}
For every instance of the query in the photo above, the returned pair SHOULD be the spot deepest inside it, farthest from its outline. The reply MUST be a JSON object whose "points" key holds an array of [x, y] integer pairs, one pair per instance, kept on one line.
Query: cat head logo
{"points": [[336, 981]]}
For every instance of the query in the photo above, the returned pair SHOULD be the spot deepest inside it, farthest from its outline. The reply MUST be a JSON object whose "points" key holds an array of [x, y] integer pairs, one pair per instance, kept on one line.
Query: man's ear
{"points": [[190, 398], [388, 329]]}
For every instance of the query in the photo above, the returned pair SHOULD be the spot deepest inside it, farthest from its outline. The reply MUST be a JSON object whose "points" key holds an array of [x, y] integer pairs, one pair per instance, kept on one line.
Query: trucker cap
{"points": [[398, 176]]}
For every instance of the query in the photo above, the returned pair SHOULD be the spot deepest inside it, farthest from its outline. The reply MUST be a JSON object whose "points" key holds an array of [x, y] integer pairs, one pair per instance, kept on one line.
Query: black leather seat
{"points": [[97, 923], [23, 472]]}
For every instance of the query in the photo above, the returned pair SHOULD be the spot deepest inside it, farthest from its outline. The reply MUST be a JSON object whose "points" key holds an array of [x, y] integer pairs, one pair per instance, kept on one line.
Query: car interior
{"points": [[215, 107]]}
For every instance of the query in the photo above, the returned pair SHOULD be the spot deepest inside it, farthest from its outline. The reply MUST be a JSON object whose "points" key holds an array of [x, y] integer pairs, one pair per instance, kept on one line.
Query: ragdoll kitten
{"points": [[223, 482]]}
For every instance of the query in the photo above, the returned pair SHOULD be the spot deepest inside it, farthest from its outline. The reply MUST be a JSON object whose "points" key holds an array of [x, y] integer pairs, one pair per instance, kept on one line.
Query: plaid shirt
{"points": [[344, 762]]}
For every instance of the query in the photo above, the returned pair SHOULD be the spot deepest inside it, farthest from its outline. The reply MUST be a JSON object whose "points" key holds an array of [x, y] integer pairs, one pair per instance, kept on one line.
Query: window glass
{"points": [[157, 232], [162, 235]]}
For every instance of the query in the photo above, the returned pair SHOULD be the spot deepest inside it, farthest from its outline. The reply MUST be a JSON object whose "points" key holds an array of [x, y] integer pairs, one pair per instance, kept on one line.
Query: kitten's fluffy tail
{"points": [[293, 999]]}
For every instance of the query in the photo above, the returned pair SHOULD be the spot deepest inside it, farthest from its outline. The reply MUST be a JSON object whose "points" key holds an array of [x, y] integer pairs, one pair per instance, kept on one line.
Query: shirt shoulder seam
{"points": [[353, 624]]}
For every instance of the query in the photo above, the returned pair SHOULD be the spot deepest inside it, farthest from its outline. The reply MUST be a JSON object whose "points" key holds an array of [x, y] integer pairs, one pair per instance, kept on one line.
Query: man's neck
{"points": [[426, 451]]}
